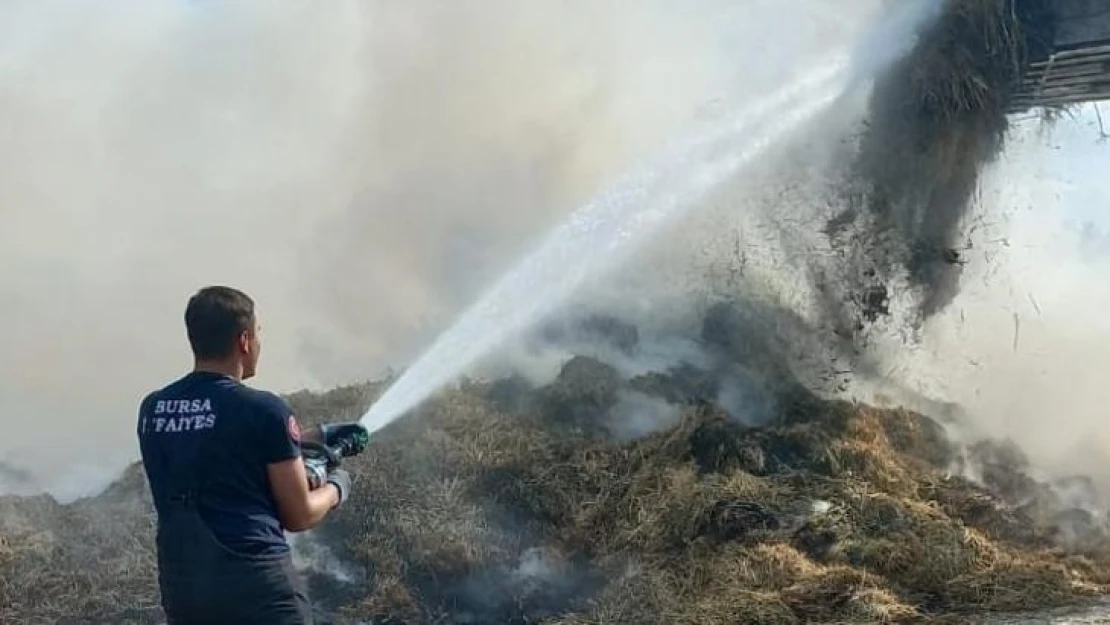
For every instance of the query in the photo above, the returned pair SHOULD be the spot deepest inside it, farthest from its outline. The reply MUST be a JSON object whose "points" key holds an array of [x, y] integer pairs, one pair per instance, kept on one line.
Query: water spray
{"points": [[595, 238], [601, 233]]}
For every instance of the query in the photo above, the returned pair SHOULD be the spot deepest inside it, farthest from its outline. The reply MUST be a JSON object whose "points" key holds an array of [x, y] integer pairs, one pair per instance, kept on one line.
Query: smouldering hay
{"points": [[92, 562], [466, 514], [764, 567], [1020, 584], [921, 555], [739, 606], [844, 594], [389, 601], [976, 507], [915, 436], [584, 391], [664, 508], [677, 528]]}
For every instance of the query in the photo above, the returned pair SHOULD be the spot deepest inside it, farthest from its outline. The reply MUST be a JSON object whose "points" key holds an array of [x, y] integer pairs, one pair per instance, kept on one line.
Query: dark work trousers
{"points": [[203, 581]]}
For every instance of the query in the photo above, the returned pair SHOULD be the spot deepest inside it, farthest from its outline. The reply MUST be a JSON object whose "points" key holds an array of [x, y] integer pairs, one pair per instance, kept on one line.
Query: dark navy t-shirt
{"points": [[242, 430]]}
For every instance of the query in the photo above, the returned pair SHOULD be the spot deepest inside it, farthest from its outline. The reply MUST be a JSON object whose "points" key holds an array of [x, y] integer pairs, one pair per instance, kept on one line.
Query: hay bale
{"points": [[807, 448]]}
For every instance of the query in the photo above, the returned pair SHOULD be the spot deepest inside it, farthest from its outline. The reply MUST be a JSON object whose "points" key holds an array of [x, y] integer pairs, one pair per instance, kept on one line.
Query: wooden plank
{"points": [[1079, 68], [1094, 59], [1093, 87], [1066, 91], [1097, 69], [1063, 80], [1063, 89], [1074, 98], [1072, 57]]}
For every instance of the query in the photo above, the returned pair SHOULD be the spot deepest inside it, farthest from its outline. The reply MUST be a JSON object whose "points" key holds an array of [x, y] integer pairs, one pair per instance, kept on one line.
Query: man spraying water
{"points": [[228, 478]]}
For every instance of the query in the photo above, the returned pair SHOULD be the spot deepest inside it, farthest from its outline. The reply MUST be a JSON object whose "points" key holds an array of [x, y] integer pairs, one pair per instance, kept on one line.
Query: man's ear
{"points": [[245, 342]]}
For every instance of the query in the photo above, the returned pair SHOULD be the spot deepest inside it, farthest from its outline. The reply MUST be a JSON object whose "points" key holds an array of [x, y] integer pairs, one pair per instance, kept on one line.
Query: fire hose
{"points": [[338, 442]]}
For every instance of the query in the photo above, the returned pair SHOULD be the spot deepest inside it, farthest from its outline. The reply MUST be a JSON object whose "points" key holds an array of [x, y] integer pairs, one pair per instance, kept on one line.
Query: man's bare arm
{"points": [[299, 508]]}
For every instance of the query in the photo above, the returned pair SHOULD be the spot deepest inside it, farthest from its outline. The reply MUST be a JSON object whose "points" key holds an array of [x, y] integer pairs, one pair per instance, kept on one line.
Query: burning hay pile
{"points": [[474, 512], [500, 502]]}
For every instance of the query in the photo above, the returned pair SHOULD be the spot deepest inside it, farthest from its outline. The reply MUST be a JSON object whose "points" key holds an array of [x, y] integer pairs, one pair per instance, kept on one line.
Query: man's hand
{"points": [[342, 481], [299, 508], [317, 474], [352, 438]]}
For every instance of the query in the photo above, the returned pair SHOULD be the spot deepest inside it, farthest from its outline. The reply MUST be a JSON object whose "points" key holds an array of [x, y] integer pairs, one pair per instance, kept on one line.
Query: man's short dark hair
{"points": [[214, 319]]}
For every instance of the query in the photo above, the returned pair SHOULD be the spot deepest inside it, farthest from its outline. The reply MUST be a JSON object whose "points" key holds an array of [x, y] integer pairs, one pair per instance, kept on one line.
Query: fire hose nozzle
{"points": [[340, 441]]}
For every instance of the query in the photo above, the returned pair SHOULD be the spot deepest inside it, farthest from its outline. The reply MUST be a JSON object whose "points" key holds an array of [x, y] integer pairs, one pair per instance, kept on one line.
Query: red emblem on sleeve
{"points": [[294, 429]]}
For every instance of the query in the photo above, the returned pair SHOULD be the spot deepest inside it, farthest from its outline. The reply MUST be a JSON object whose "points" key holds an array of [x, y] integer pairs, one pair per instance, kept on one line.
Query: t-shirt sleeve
{"points": [[143, 416], [279, 431]]}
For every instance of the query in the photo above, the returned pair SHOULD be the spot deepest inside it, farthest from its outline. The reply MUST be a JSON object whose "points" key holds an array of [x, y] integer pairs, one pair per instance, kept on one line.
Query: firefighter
{"points": [[224, 465]]}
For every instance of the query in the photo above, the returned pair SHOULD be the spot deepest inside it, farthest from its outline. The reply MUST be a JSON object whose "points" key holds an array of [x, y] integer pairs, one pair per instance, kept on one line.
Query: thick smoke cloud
{"points": [[1024, 347], [151, 149], [362, 168], [365, 168]]}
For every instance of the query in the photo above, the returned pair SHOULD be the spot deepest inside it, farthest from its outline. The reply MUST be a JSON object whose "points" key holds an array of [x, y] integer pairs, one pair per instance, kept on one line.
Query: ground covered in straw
{"points": [[500, 503], [835, 512]]}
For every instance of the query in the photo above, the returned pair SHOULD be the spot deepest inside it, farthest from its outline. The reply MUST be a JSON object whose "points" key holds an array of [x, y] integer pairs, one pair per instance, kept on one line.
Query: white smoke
{"points": [[361, 167], [311, 555], [1025, 346], [637, 414], [364, 168]]}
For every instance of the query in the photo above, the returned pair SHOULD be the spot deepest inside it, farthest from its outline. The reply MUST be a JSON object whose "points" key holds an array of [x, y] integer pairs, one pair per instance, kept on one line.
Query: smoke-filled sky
{"points": [[362, 168]]}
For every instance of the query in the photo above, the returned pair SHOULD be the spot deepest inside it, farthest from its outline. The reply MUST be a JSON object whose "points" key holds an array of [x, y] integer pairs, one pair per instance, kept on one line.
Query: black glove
{"points": [[342, 481], [352, 438]]}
